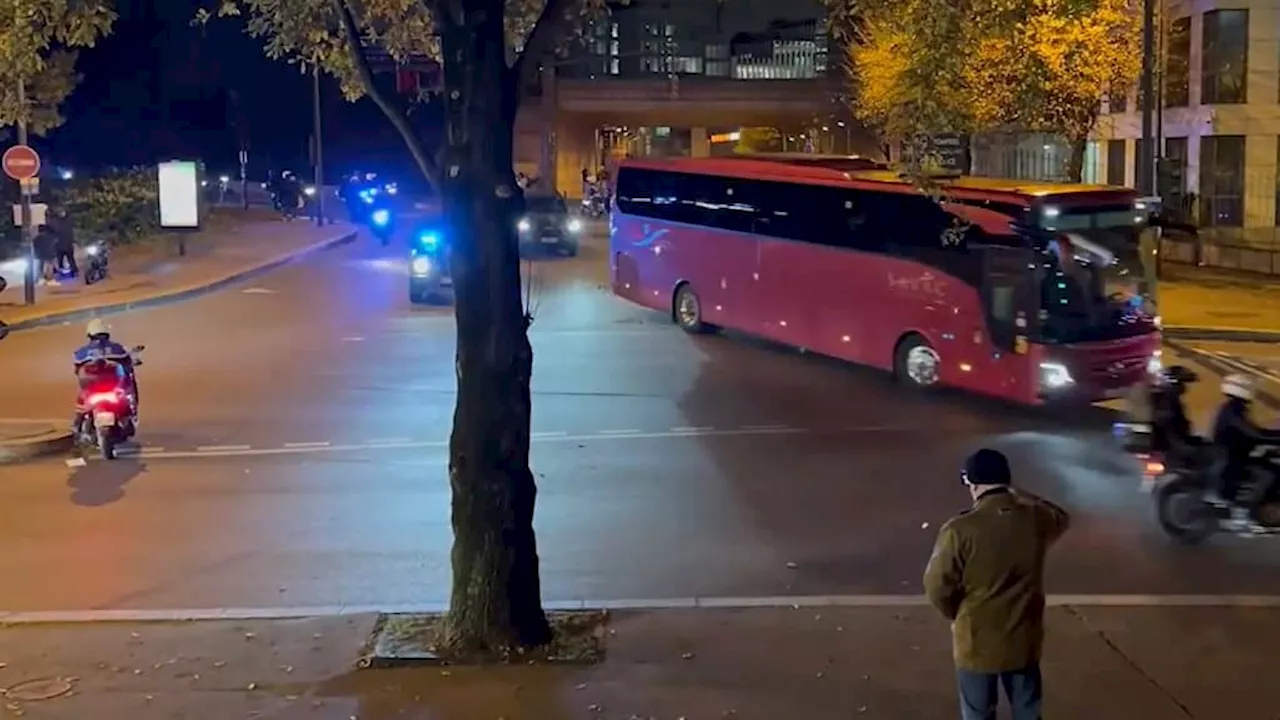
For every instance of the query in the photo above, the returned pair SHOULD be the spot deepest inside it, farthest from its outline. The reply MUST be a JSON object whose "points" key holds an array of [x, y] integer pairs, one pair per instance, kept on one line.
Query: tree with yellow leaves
{"points": [[1051, 63], [923, 67], [758, 140]]}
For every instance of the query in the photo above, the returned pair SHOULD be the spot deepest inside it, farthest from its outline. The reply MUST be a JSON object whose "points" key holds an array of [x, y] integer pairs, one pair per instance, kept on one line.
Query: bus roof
{"points": [[827, 170]]}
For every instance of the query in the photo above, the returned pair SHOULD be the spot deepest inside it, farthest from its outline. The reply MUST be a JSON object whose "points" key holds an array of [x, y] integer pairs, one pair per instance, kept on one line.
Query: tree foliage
{"points": [[38, 39], [340, 36], [923, 66], [758, 140]]}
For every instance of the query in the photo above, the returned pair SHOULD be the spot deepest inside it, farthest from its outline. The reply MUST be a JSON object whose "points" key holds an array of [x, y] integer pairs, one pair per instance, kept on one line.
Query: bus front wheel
{"points": [[916, 364], [687, 310]]}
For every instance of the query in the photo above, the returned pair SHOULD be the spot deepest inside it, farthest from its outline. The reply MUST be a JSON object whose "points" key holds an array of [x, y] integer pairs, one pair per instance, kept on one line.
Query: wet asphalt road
{"points": [[293, 455]]}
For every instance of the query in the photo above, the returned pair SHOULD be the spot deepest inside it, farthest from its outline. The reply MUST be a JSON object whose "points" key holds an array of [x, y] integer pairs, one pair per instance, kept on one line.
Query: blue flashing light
{"points": [[429, 240], [380, 217]]}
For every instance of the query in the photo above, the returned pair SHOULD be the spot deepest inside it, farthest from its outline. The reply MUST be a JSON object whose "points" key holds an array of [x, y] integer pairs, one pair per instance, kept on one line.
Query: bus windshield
{"points": [[1078, 304]]}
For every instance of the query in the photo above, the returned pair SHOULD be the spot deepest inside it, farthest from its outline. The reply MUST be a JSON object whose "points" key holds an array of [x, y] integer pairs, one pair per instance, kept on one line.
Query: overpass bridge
{"points": [[556, 132]]}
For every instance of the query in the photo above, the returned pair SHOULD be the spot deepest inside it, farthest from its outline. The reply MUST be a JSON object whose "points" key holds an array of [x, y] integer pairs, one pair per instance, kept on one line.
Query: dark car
{"points": [[547, 226], [429, 277]]}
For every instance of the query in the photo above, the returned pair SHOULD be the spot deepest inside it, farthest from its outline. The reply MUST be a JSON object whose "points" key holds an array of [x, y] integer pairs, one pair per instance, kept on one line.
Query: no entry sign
{"points": [[21, 162]]}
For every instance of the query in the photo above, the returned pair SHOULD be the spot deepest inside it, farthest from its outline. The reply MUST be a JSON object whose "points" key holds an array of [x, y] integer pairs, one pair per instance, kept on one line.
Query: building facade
{"points": [[1219, 116]]}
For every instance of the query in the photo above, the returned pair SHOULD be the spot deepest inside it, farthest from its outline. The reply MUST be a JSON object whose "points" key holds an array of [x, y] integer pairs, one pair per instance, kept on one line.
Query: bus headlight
{"points": [[1054, 376], [420, 267]]}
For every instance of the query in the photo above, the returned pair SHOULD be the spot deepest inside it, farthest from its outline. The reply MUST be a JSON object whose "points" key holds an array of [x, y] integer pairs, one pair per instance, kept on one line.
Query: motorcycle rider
{"points": [[100, 355], [1171, 429], [1236, 433]]}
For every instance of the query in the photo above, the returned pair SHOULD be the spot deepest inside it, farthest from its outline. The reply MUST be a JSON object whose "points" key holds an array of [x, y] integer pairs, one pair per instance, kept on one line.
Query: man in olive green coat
{"points": [[986, 576]]}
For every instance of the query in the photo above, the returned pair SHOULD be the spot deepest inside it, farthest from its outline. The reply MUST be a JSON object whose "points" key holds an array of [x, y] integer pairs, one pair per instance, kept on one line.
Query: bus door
{"points": [[1003, 357]]}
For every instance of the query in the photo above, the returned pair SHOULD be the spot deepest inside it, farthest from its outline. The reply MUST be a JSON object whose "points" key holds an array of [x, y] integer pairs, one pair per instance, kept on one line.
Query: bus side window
{"points": [[855, 225], [635, 191], [735, 203]]}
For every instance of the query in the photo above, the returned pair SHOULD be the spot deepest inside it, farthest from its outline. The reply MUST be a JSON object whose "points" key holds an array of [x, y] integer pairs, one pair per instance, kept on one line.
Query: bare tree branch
{"points": [[542, 39], [399, 119]]}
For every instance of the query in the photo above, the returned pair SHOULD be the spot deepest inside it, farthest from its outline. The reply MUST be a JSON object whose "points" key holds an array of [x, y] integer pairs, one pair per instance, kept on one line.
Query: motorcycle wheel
{"points": [[107, 444], [1182, 512]]}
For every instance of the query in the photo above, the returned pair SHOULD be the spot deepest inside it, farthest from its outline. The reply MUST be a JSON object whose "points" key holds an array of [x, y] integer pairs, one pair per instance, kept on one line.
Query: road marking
{"points": [[708, 603], [764, 427], [690, 428], [1237, 363], [211, 451], [620, 432], [388, 441], [353, 338]]}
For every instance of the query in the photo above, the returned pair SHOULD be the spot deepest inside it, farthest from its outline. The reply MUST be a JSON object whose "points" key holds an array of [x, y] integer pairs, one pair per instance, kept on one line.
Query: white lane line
{"points": [[777, 601], [691, 428], [388, 441], [545, 435], [632, 431], [300, 445], [764, 427], [248, 451], [1237, 363]]}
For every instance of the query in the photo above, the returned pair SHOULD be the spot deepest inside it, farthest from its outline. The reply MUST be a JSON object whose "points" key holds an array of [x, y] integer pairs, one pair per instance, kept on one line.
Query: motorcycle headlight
{"points": [[380, 217], [524, 225], [1054, 376], [1154, 363], [92, 250], [420, 266], [574, 225]]}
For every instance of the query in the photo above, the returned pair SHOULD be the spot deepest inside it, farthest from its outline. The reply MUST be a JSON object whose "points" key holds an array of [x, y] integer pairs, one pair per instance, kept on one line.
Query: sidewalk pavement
{"points": [[762, 663], [234, 245], [1222, 305], [23, 439]]}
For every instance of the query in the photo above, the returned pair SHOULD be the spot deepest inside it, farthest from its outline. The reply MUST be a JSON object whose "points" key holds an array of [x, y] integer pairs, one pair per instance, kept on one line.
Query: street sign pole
{"points": [[24, 190], [318, 155]]}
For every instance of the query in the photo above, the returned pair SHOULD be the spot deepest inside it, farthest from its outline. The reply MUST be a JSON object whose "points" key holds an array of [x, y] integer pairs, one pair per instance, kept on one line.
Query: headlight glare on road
{"points": [[574, 225], [524, 225], [420, 266]]}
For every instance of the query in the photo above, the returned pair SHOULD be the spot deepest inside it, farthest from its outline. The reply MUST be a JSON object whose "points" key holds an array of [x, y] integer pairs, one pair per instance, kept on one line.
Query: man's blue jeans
{"points": [[979, 693]]}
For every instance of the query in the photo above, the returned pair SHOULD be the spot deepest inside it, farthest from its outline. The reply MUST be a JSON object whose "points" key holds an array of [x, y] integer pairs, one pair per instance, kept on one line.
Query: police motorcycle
{"points": [[429, 277], [1184, 485]]}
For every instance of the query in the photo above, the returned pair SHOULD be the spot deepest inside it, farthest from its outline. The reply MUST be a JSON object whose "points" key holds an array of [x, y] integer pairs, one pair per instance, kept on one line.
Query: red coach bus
{"points": [[1002, 289]]}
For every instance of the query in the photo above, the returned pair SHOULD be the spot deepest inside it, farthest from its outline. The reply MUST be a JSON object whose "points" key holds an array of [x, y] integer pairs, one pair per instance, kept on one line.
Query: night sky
{"points": [[159, 88]]}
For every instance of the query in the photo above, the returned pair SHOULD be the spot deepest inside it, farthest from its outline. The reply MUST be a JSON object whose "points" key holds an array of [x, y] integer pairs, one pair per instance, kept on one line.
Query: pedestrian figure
{"points": [[986, 576], [46, 255]]}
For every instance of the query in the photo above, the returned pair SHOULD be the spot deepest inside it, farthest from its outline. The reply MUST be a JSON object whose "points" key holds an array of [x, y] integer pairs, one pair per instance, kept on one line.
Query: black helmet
{"points": [[1179, 375]]}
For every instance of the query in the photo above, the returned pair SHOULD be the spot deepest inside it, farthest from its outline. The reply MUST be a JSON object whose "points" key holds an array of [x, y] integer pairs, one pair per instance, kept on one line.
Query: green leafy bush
{"points": [[119, 207]]}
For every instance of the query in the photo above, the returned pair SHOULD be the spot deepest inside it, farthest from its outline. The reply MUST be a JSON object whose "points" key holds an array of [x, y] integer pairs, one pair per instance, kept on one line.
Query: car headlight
{"points": [[524, 226], [420, 266], [574, 225], [1055, 375]]}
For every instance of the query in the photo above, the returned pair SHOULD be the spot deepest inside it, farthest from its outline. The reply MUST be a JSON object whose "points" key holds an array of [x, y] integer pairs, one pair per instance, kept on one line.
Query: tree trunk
{"points": [[1075, 158], [496, 601]]}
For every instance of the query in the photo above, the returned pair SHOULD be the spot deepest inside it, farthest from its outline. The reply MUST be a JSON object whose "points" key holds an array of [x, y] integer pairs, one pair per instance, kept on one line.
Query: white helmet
{"points": [[1238, 386], [97, 326]]}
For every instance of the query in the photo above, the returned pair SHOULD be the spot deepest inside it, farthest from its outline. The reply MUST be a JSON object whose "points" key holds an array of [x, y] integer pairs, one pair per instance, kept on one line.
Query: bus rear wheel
{"points": [[686, 308], [916, 364]]}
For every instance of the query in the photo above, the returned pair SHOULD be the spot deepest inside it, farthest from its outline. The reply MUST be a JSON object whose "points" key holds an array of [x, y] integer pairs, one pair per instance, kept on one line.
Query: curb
{"points": [[1266, 602], [51, 442], [192, 290], [1225, 334]]}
